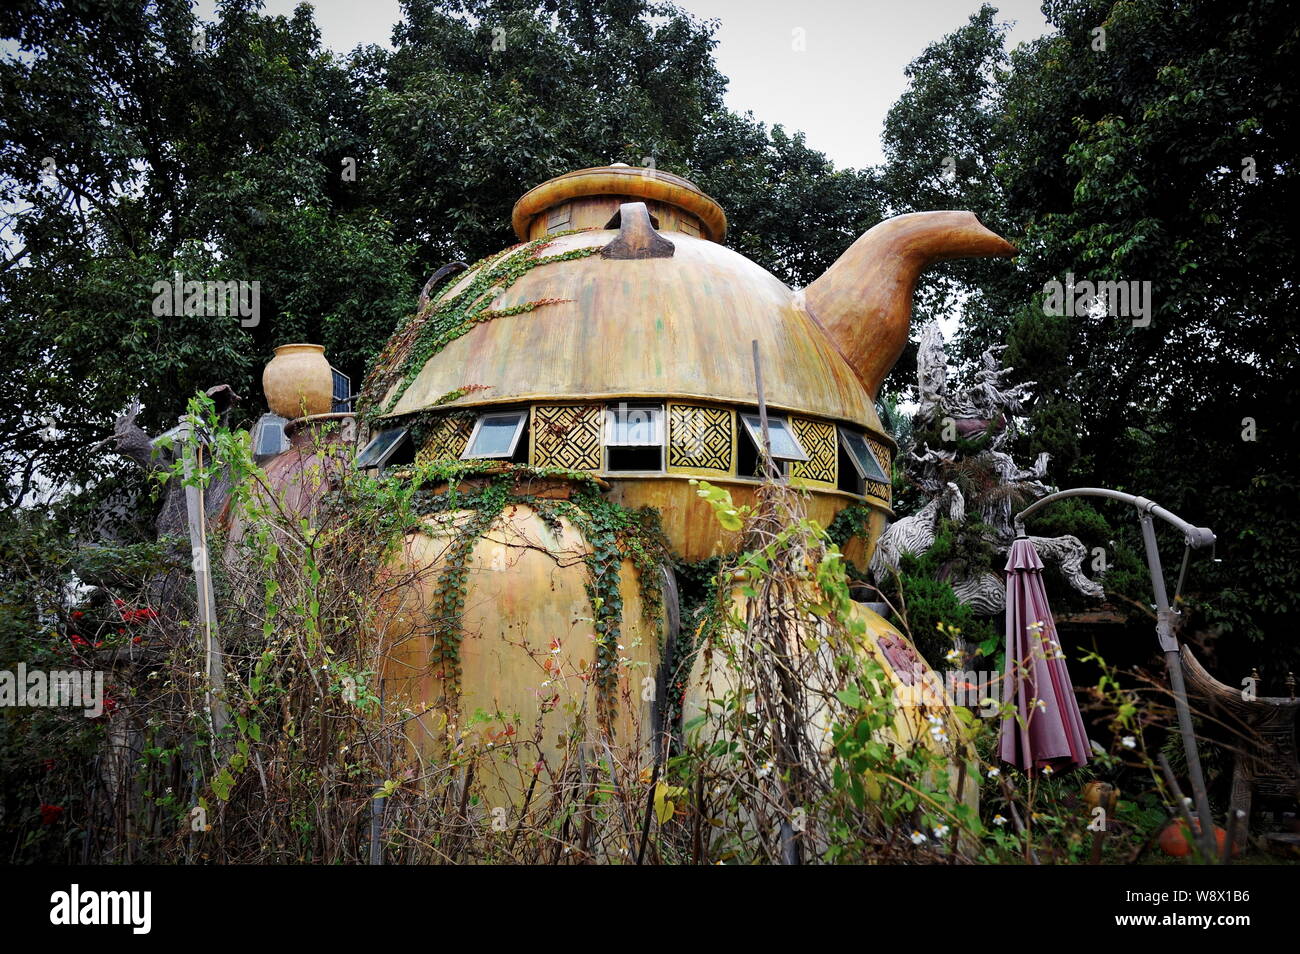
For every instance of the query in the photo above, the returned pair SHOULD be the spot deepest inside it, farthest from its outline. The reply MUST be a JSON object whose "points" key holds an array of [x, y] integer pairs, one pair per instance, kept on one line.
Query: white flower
{"points": [[994, 772], [765, 769], [999, 820], [940, 831], [1040, 704], [1047, 770], [1129, 742], [953, 656], [934, 720], [918, 838]]}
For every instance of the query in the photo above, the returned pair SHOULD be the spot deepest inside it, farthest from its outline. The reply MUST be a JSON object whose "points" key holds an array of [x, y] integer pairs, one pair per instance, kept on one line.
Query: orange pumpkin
{"points": [[1176, 839]]}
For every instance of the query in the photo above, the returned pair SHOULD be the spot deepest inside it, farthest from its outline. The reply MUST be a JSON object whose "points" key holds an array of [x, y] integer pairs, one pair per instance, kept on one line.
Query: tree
{"points": [[1165, 157], [482, 99], [241, 150], [136, 143]]}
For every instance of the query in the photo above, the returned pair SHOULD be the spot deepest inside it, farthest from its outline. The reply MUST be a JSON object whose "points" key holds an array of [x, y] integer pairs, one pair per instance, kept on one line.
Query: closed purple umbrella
{"points": [[1049, 730]]}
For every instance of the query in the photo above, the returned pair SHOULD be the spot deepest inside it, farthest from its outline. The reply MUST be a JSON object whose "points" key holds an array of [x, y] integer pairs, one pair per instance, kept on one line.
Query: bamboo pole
{"points": [[195, 507]]}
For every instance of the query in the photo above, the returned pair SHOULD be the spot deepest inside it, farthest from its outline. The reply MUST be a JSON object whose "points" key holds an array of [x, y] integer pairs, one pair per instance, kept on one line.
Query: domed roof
{"points": [[666, 327]]}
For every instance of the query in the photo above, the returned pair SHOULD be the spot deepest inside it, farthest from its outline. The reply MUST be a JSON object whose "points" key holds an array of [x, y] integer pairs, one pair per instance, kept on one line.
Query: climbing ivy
{"points": [[425, 333], [613, 533], [853, 521]]}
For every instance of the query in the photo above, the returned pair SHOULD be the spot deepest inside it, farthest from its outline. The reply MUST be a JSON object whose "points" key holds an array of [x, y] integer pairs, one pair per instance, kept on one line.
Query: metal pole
{"points": [[767, 464], [1174, 666], [377, 830], [1197, 537]]}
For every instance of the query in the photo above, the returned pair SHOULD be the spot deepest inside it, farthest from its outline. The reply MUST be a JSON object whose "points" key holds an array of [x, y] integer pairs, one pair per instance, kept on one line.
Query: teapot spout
{"points": [[864, 300]]}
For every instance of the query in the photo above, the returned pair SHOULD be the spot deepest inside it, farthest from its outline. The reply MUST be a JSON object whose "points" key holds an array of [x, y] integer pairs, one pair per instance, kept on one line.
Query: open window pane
{"points": [[496, 435], [785, 446], [631, 425], [381, 450], [863, 459], [269, 438]]}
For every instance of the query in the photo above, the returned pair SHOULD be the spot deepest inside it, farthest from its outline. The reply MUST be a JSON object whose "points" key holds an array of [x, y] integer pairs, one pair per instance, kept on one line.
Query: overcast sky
{"points": [[837, 89]]}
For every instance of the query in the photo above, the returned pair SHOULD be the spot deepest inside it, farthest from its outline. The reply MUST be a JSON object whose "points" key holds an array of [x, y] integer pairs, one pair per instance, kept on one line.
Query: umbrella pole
{"points": [[1174, 666]]}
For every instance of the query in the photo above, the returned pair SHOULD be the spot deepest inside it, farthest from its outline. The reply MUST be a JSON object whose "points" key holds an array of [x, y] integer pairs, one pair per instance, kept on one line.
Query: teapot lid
{"points": [[619, 179]]}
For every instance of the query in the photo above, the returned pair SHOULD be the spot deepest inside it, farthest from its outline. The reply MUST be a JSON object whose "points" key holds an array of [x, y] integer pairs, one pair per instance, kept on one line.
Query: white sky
{"points": [[837, 90]]}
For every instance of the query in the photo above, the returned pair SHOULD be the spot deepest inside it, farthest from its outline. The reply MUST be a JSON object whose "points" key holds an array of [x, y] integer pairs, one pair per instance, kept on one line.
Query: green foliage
{"points": [[865, 790], [221, 163], [45, 752], [614, 534], [1129, 164], [852, 521], [423, 335], [927, 602]]}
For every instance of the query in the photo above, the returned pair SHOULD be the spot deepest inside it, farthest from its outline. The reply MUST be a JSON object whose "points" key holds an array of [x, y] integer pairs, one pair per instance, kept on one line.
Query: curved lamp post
{"points": [[1196, 538]]}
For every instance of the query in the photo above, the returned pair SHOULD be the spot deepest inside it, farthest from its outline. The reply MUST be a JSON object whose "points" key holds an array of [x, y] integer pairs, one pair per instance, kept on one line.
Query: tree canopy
{"points": [[138, 142], [1146, 141]]}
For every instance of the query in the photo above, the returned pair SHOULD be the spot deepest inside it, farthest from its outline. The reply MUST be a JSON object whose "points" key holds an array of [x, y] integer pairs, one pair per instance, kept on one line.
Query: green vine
{"points": [[853, 521], [614, 533], [425, 333]]}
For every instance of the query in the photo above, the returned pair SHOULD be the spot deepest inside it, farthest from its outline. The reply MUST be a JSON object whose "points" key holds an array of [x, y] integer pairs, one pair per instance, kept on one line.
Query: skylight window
{"points": [[269, 438]]}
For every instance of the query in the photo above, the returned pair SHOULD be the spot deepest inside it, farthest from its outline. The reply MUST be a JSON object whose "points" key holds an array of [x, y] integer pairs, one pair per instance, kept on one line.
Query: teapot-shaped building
{"points": [[629, 354], [616, 342]]}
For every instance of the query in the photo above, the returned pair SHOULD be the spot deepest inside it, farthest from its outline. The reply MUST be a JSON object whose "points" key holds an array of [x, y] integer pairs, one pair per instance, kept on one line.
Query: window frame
{"points": [[660, 443], [522, 416], [754, 429], [381, 462], [883, 478], [659, 424]]}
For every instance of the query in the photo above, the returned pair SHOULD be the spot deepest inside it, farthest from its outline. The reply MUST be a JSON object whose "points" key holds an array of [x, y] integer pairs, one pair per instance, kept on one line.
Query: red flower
{"points": [[136, 639], [50, 814], [143, 614], [78, 640], [49, 765], [77, 614]]}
